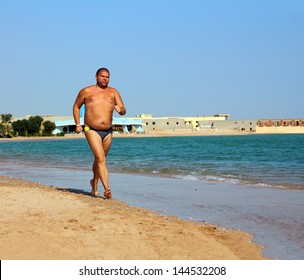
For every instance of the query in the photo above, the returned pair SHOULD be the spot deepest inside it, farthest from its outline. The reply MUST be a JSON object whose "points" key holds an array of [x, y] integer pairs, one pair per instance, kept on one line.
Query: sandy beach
{"points": [[43, 222]]}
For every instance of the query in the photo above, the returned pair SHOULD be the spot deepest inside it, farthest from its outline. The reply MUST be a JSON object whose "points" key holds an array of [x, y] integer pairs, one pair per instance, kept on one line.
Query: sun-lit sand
{"points": [[42, 222]]}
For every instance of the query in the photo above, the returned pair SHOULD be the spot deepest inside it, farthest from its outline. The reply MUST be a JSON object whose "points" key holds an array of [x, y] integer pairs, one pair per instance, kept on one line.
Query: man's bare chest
{"points": [[99, 99]]}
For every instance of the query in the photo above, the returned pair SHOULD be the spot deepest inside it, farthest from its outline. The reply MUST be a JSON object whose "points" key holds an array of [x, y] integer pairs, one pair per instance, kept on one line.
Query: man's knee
{"points": [[100, 160]]}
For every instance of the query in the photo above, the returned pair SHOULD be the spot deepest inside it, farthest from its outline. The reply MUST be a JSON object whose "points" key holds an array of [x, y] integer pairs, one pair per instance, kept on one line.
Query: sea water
{"points": [[249, 182], [270, 160]]}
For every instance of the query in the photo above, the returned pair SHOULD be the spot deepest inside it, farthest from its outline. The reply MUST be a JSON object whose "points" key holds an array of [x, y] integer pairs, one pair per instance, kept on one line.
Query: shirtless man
{"points": [[100, 101]]}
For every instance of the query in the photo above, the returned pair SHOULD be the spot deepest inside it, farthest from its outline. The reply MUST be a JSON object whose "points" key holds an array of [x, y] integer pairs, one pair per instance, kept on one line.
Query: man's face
{"points": [[103, 78]]}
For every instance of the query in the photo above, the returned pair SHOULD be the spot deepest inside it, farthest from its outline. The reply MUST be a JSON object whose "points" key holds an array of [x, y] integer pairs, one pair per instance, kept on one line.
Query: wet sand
{"points": [[43, 222]]}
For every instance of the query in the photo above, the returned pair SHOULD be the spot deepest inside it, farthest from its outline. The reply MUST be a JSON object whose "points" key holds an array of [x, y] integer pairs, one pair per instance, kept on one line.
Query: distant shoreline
{"points": [[159, 133], [130, 135]]}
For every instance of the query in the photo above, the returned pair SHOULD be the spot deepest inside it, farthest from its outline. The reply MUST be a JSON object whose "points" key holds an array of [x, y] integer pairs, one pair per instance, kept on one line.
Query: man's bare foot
{"points": [[94, 188], [108, 194]]}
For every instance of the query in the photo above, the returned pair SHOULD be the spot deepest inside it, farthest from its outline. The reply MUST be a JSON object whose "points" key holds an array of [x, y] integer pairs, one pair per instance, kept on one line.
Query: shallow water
{"points": [[268, 160]]}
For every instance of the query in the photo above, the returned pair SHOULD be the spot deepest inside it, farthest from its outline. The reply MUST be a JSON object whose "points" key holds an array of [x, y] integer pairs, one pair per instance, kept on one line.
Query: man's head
{"points": [[102, 69], [102, 77]]}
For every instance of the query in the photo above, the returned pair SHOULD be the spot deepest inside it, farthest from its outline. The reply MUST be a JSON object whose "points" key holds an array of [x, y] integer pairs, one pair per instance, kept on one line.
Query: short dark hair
{"points": [[102, 69]]}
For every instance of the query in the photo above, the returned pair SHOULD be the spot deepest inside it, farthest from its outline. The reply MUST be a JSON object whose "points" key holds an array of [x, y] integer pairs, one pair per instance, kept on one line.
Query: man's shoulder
{"points": [[111, 89], [87, 89]]}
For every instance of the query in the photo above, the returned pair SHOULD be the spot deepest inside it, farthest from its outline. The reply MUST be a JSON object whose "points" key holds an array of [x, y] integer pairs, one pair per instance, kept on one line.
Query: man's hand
{"points": [[78, 129], [117, 109], [120, 110]]}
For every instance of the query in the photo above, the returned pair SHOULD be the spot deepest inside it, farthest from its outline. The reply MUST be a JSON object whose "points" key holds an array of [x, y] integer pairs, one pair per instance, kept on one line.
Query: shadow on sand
{"points": [[77, 191]]}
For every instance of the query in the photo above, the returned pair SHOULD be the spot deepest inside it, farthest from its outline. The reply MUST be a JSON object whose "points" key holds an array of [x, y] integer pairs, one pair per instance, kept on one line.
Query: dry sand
{"points": [[42, 222]]}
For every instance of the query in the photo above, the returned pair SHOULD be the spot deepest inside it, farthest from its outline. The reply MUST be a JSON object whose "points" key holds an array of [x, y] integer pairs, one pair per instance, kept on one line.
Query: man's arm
{"points": [[76, 110], [119, 105]]}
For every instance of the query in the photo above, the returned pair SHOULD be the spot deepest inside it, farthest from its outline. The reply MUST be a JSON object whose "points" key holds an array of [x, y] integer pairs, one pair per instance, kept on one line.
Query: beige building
{"points": [[177, 123], [220, 123], [229, 125]]}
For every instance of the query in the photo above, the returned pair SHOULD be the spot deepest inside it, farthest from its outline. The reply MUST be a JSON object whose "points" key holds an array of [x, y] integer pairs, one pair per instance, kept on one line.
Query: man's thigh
{"points": [[95, 142], [106, 143]]}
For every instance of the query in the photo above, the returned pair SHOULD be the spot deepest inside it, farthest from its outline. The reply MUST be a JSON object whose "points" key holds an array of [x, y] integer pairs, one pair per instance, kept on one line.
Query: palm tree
{"points": [[5, 121]]}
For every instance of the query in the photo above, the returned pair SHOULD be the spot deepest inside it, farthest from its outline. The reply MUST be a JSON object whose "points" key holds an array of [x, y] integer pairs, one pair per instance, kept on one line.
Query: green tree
{"points": [[34, 125], [48, 128], [20, 127], [2, 129]]}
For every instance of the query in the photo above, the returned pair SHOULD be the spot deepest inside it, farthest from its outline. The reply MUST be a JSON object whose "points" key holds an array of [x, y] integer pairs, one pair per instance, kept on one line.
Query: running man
{"points": [[100, 101]]}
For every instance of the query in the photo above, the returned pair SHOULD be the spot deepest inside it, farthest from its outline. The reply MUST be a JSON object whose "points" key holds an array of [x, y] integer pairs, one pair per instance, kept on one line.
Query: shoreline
{"points": [[74, 222], [130, 135], [159, 133], [259, 209]]}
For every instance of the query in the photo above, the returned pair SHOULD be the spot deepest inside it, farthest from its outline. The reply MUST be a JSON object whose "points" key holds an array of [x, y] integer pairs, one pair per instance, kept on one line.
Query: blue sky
{"points": [[167, 58]]}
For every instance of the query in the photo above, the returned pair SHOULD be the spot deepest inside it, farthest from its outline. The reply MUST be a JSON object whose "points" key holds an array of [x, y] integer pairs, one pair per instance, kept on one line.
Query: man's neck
{"points": [[101, 86]]}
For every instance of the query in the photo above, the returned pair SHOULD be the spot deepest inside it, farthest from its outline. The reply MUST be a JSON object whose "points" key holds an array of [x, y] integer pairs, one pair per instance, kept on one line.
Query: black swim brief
{"points": [[102, 133]]}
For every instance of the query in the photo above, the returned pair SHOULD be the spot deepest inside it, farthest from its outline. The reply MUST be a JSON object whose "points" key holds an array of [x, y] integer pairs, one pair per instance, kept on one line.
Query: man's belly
{"points": [[99, 124]]}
